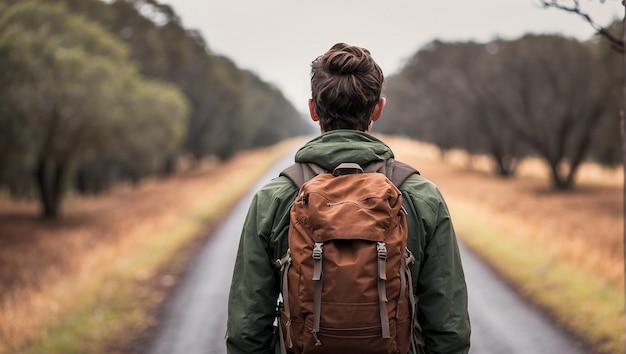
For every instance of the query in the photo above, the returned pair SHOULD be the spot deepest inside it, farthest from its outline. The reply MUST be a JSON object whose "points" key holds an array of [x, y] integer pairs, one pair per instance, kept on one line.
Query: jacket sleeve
{"points": [[440, 282], [254, 288]]}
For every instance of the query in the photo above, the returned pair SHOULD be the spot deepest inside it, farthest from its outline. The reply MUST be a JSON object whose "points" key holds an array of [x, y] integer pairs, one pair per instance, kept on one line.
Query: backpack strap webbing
{"points": [[401, 172], [301, 172], [317, 297], [284, 264], [381, 249], [295, 173], [416, 330]]}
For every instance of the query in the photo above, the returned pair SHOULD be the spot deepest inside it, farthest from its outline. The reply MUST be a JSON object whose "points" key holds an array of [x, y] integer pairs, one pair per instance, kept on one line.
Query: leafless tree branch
{"points": [[616, 42]]}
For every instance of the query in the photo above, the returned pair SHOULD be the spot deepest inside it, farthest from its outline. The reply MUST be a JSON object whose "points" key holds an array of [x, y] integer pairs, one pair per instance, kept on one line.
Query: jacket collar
{"points": [[332, 148]]}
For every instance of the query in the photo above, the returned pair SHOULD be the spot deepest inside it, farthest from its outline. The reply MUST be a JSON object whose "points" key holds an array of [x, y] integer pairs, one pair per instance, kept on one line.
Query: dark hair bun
{"points": [[347, 60]]}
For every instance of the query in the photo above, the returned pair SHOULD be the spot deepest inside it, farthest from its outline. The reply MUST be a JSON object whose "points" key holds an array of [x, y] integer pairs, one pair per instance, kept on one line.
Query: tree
{"points": [[70, 85], [608, 149], [509, 99], [64, 81], [445, 95], [144, 144], [555, 105], [43, 87], [617, 43], [218, 91], [470, 79]]}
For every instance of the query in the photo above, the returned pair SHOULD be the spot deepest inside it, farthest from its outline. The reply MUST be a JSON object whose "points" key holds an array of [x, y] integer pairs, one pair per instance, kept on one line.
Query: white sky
{"points": [[278, 39]]}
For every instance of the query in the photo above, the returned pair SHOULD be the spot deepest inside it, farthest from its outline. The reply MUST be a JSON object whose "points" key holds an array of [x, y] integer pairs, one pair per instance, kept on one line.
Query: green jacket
{"points": [[438, 278]]}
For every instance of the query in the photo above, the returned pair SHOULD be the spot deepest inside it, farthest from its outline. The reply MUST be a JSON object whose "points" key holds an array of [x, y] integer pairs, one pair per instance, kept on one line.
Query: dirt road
{"points": [[195, 317]]}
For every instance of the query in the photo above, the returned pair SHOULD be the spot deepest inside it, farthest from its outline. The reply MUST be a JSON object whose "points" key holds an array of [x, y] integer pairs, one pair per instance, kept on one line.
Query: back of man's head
{"points": [[346, 85]]}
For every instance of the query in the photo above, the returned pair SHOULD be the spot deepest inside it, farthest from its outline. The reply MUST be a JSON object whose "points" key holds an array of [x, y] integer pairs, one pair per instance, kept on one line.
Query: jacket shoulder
{"points": [[424, 195], [278, 186]]}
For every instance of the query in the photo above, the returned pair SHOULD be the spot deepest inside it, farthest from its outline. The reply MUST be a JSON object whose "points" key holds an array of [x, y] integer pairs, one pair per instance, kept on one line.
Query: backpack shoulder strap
{"points": [[401, 172], [295, 173], [301, 172]]}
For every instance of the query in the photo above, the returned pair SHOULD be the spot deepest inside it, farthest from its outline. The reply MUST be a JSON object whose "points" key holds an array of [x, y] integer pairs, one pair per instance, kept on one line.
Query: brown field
{"points": [[43, 263], [563, 250], [40, 259], [584, 226]]}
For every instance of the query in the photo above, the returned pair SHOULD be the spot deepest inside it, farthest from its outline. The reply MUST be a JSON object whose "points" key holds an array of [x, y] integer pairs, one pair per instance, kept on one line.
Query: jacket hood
{"points": [[332, 148]]}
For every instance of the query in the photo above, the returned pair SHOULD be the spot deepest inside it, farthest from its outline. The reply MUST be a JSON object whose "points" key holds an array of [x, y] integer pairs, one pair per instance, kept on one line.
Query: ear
{"points": [[378, 109], [312, 111]]}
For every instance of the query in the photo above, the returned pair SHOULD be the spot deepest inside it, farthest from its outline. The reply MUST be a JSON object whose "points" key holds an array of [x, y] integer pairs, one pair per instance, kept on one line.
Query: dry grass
{"points": [[564, 236], [583, 226], [45, 266], [52, 270]]}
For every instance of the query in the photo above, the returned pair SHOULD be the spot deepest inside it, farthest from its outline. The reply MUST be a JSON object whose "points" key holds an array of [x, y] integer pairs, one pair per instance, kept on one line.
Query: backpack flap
{"points": [[353, 206]]}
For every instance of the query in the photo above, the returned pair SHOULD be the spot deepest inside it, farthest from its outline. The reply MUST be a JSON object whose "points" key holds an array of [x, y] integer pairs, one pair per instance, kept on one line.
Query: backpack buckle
{"points": [[317, 250], [382, 250], [284, 260], [409, 257]]}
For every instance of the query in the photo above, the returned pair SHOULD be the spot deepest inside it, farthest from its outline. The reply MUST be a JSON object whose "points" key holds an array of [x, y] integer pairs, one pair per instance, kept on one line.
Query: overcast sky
{"points": [[277, 39]]}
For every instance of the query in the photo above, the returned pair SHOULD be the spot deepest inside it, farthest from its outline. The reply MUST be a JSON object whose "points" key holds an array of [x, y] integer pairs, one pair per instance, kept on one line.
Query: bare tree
{"points": [[617, 42]]}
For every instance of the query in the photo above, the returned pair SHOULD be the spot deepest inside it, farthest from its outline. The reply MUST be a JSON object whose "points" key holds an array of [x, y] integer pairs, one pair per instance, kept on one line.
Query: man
{"points": [[346, 87]]}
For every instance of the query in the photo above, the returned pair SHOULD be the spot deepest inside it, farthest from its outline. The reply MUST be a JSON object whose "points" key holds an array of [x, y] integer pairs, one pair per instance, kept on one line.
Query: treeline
{"points": [[547, 96], [93, 93]]}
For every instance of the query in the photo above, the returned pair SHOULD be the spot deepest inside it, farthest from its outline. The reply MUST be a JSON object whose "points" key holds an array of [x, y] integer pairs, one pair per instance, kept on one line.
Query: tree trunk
{"points": [[50, 176], [561, 180], [507, 165]]}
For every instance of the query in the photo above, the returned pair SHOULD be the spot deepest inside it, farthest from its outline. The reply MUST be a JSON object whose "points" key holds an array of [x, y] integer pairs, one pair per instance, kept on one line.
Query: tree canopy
{"points": [[219, 92], [69, 93], [98, 92], [542, 95]]}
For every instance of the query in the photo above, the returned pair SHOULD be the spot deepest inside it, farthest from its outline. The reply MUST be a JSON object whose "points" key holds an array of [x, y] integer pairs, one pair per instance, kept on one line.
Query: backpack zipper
{"points": [[351, 202]]}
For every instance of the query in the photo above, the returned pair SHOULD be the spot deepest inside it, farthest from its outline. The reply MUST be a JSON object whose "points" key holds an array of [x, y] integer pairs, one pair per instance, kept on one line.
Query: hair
{"points": [[346, 85]]}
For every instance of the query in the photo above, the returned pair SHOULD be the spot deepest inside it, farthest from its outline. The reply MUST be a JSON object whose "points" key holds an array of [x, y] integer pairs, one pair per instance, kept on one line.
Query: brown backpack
{"points": [[346, 284]]}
